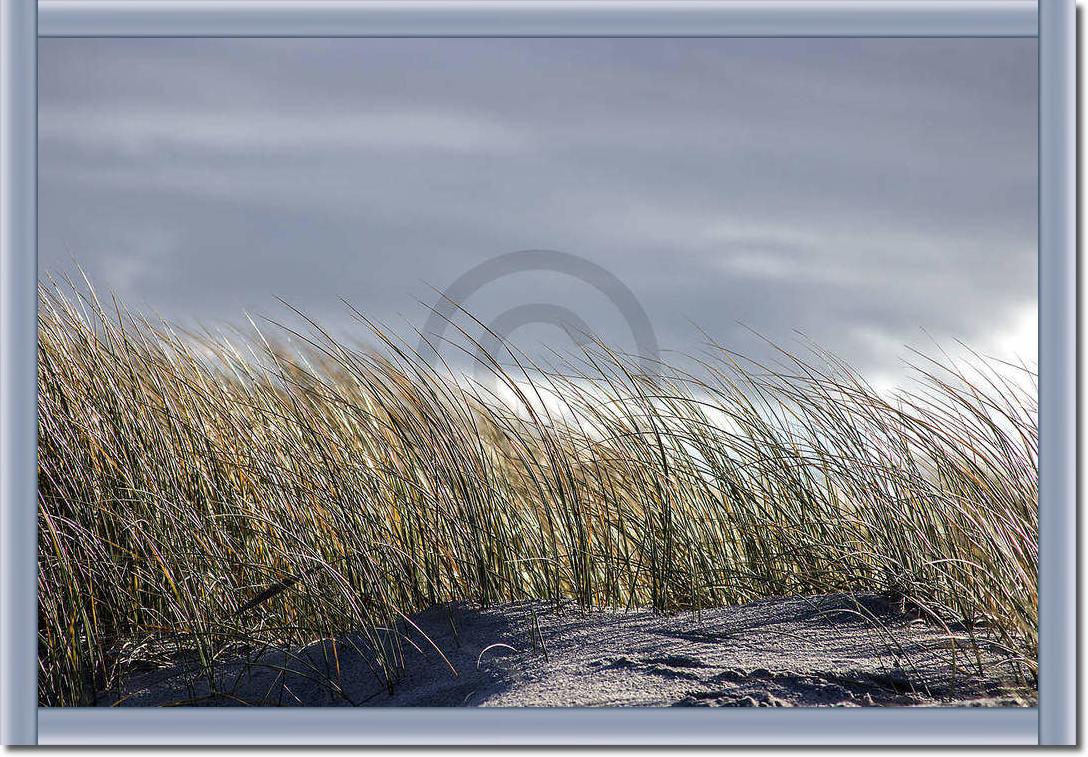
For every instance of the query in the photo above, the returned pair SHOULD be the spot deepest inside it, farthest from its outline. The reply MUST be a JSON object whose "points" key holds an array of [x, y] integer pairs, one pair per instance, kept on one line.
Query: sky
{"points": [[868, 194]]}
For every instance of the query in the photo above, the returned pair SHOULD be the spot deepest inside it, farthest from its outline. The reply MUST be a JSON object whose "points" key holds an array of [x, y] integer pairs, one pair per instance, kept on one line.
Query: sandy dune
{"points": [[817, 651]]}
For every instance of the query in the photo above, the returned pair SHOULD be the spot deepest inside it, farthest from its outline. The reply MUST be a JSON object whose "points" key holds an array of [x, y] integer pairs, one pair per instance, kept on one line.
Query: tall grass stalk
{"points": [[206, 493]]}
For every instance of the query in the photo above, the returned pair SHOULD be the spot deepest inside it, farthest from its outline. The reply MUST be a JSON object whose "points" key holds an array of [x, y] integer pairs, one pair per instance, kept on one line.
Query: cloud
{"points": [[141, 133], [840, 188]]}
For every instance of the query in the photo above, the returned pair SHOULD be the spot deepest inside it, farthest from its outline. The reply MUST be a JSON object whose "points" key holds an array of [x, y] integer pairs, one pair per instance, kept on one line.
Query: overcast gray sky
{"points": [[859, 191]]}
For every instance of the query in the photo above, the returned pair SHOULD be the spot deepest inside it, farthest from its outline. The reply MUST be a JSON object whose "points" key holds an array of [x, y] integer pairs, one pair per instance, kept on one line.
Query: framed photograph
{"points": [[518, 372]]}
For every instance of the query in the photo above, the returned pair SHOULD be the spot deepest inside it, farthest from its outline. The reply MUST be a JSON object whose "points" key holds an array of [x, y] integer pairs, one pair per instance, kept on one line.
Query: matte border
{"points": [[1057, 375], [18, 371], [634, 726], [538, 18], [1053, 723]]}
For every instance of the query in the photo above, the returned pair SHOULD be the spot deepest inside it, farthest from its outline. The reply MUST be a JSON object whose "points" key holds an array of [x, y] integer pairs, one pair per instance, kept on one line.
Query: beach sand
{"points": [[835, 650]]}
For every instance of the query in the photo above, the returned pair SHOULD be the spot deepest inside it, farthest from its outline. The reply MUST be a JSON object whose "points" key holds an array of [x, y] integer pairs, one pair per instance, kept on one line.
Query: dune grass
{"points": [[208, 493]]}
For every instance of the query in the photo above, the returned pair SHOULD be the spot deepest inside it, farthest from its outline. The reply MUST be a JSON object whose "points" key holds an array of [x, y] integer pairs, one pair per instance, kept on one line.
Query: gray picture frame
{"points": [[22, 22]]}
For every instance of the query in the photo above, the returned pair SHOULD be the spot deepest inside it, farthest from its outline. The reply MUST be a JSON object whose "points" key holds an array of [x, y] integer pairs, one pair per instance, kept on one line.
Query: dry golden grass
{"points": [[206, 493]]}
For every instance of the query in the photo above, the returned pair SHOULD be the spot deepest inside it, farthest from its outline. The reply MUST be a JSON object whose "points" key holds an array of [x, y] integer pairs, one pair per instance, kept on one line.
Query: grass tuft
{"points": [[211, 493]]}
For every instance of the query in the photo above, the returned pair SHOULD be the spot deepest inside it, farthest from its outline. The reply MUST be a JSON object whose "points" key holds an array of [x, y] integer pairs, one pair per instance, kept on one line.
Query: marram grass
{"points": [[205, 494]]}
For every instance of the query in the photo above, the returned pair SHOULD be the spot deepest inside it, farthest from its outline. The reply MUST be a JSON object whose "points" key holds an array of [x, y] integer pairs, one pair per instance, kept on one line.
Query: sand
{"points": [[834, 650]]}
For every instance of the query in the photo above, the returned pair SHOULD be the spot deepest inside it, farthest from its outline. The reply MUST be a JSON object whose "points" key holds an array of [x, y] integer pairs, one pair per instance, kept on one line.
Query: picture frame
{"points": [[23, 22]]}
